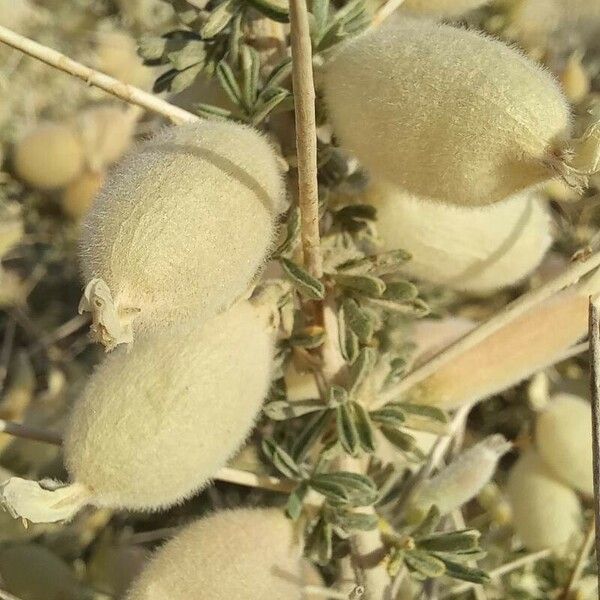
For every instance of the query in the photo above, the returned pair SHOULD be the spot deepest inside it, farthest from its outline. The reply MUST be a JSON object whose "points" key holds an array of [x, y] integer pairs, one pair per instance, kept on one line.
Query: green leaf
{"points": [[336, 396], [282, 461], [292, 232], [185, 78], [250, 61], [329, 488], [279, 73], [209, 111], [400, 291], [163, 82], [296, 500], [281, 410], [354, 521], [360, 489], [415, 308], [219, 18], [228, 83], [277, 10], [389, 415], [454, 541], [310, 435], [306, 284], [465, 573], [358, 320], [365, 284], [191, 54], [347, 338], [264, 109], [320, 12], [310, 338], [319, 543], [401, 440], [361, 368], [424, 563], [364, 428], [346, 429], [421, 410]]}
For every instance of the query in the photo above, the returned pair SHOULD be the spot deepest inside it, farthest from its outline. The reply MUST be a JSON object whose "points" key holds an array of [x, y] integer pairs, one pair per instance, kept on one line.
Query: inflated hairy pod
{"points": [[469, 249], [154, 424], [230, 555], [49, 156], [447, 113], [180, 228], [462, 479], [523, 346], [563, 433], [442, 8], [546, 513]]}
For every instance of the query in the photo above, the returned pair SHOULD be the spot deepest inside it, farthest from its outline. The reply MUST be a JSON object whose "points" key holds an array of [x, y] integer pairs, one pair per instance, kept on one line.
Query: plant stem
{"points": [[30, 433], [594, 336], [515, 309], [582, 558], [306, 136], [125, 92]]}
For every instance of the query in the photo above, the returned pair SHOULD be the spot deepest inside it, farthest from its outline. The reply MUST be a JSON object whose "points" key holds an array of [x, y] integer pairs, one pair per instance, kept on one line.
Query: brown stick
{"points": [[306, 136], [594, 336], [117, 88]]}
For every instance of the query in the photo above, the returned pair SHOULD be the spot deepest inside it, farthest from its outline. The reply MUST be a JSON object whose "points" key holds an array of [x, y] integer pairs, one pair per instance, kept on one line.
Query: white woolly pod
{"points": [[462, 479], [546, 513], [563, 433], [447, 113], [469, 249], [78, 196], [230, 555], [442, 8], [32, 572], [523, 346], [154, 424], [49, 156], [180, 228], [116, 55], [106, 133]]}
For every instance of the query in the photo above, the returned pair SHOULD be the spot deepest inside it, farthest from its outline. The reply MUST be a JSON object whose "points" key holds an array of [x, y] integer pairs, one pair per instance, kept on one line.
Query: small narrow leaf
{"points": [[366, 284], [219, 18], [346, 429], [358, 320], [229, 83], [361, 368], [295, 501], [265, 108], [306, 284], [454, 541], [354, 521], [279, 73], [281, 460], [310, 435], [401, 440], [250, 62], [292, 232], [364, 427], [330, 489], [210, 111], [424, 563], [421, 410], [277, 10], [185, 78], [465, 573], [336, 396], [400, 291], [281, 410], [389, 415], [191, 54], [348, 340]]}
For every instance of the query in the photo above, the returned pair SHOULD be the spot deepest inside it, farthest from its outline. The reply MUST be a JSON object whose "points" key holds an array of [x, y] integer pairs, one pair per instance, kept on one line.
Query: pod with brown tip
{"points": [[180, 228], [447, 113], [476, 250], [230, 555], [563, 433], [546, 513]]}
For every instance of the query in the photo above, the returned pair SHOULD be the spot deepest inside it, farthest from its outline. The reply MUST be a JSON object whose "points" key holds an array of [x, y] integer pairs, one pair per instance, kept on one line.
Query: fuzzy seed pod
{"points": [[546, 513], [564, 440], [575, 80], [180, 228], [230, 555], [32, 572], [432, 335], [153, 425], [78, 196], [116, 55], [474, 250], [49, 156], [447, 113], [462, 479], [527, 344], [442, 8], [106, 133]]}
